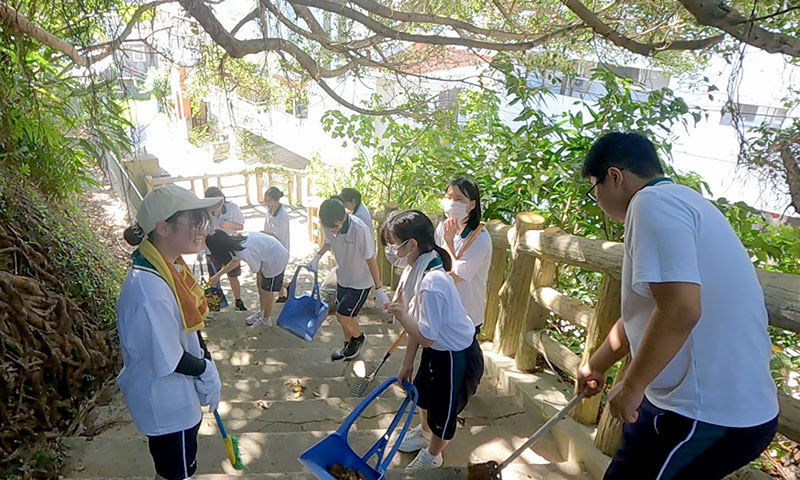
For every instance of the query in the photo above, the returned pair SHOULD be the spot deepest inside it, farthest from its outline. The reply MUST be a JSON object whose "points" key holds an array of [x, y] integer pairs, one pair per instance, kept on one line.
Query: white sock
{"points": [[426, 435]]}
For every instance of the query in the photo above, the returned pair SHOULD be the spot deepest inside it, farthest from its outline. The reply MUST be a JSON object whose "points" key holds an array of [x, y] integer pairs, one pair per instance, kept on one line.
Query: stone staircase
{"points": [[275, 420]]}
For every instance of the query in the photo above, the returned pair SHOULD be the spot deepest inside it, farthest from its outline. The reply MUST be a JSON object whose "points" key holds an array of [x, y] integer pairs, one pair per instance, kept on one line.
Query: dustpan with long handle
{"points": [[492, 470]]}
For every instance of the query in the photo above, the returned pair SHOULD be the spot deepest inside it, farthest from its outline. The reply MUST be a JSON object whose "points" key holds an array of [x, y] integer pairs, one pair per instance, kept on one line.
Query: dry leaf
{"points": [[316, 394], [297, 388], [262, 404]]}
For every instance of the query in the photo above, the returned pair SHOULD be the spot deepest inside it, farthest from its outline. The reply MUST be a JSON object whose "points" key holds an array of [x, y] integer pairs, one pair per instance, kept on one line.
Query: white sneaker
{"points": [[414, 440], [252, 319], [262, 322], [425, 460]]}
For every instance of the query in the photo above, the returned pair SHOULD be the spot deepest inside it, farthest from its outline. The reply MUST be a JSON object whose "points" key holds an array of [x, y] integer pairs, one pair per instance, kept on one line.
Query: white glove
{"points": [[381, 297], [314, 263], [208, 386]]}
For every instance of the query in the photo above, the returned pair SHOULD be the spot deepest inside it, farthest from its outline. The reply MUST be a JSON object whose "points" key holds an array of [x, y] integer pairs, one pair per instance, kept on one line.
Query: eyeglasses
{"points": [[590, 193], [197, 229]]}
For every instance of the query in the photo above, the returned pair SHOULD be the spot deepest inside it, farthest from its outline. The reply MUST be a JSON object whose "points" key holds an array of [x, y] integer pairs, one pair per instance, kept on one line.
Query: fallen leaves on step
{"points": [[343, 473], [297, 388], [262, 404]]}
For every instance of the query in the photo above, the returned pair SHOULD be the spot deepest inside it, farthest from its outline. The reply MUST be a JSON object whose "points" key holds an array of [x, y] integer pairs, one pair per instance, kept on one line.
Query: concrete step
{"points": [[239, 335], [271, 367], [278, 452], [316, 414], [300, 356], [250, 389], [268, 338], [552, 471]]}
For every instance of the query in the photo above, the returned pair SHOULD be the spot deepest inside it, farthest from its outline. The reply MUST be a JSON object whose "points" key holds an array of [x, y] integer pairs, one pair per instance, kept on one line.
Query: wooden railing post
{"points": [[515, 293], [259, 186], [494, 282], [298, 185], [385, 268], [606, 314], [148, 182], [544, 273], [247, 197], [609, 429], [205, 184]]}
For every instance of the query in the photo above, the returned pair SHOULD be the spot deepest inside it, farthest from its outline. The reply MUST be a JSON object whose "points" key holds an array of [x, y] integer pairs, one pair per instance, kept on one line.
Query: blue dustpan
{"points": [[334, 449], [303, 315]]}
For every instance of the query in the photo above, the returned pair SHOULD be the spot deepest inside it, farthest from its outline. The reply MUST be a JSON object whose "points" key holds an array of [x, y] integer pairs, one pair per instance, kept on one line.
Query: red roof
{"points": [[422, 58]]}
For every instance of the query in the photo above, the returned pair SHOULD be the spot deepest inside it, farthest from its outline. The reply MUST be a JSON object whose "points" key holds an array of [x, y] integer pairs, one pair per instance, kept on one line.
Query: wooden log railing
{"points": [[524, 259], [248, 184]]}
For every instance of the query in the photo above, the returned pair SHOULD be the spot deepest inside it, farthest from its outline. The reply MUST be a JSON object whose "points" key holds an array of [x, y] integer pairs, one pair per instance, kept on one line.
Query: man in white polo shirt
{"points": [[356, 274], [698, 400]]}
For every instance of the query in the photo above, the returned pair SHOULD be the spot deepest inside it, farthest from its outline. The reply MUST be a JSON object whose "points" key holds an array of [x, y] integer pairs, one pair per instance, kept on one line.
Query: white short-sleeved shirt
{"points": [[441, 315], [263, 253], [232, 214], [362, 212], [473, 269], [278, 226], [721, 374], [153, 340], [352, 247]]}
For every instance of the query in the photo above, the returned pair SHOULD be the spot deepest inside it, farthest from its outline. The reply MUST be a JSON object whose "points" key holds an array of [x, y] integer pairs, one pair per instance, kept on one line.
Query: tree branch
{"points": [[244, 21], [647, 49], [18, 22], [239, 48], [397, 15], [719, 15], [391, 33]]}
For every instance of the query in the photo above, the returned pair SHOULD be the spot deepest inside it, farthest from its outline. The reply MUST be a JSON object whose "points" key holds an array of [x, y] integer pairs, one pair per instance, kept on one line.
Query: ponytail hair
{"points": [[414, 224], [134, 235]]}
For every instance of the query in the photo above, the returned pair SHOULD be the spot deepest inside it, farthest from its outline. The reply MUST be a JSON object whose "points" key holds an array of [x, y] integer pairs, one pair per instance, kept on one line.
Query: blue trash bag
{"points": [[303, 315], [334, 449]]}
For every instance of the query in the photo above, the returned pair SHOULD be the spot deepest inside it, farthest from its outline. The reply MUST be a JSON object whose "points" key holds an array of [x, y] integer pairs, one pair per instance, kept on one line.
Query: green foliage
{"points": [[532, 166], [54, 124]]}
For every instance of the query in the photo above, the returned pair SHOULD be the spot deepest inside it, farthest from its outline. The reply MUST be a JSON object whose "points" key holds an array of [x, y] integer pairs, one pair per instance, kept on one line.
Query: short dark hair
{"points": [[350, 195], [414, 224], [470, 190], [223, 246], [214, 192], [626, 150], [273, 193], [331, 211]]}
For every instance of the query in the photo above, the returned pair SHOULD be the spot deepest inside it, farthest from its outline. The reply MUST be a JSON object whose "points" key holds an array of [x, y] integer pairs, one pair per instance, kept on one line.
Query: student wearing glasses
{"points": [[697, 400]]}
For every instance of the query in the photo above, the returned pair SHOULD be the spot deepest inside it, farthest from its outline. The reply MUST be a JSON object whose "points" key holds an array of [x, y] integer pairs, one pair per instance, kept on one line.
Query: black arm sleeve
{"points": [[190, 365]]}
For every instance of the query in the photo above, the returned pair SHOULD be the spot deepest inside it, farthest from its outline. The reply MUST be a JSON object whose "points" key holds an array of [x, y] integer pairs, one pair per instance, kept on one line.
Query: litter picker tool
{"points": [[493, 471], [362, 383]]}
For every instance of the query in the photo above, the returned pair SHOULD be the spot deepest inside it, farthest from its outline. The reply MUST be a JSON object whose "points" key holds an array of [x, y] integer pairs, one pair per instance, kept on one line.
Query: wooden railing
{"points": [[522, 300], [247, 184]]}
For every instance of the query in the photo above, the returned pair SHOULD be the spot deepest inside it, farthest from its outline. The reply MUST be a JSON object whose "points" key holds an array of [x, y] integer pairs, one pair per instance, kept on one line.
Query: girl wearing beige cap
{"points": [[167, 375]]}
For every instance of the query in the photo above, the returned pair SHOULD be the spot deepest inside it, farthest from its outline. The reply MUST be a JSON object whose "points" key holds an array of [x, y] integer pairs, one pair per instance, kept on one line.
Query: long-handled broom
{"points": [[362, 383], [231, 445], [493, 471]]}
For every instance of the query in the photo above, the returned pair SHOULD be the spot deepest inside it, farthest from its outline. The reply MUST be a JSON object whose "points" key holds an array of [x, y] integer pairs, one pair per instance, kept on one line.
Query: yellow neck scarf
{"points": [[189, 295]]}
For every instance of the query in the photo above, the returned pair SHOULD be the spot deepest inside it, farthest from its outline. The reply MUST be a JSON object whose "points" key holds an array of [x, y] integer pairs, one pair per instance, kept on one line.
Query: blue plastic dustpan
{"points": [[303, 315], [334, 449]]}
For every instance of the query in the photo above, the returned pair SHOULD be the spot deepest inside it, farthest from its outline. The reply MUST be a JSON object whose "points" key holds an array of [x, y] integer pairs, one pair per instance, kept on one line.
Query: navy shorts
{"points": [[664, 445], [350, 300], [273, 284], [445, 381], [175, 454]]}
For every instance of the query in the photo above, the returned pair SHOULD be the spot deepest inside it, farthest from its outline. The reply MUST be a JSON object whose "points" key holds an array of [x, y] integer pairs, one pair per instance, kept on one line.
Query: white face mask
{"points": [[391, 255], [453, 209]]}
